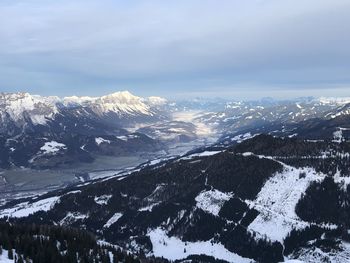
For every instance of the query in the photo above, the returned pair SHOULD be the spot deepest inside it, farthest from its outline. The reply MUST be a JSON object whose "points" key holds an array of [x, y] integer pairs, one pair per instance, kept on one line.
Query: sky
{"points": [[242, 49]]}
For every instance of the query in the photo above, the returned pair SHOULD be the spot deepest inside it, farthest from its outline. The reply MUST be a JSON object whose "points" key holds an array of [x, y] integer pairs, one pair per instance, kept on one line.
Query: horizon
{"points": [[211, 98], [242, 50]]}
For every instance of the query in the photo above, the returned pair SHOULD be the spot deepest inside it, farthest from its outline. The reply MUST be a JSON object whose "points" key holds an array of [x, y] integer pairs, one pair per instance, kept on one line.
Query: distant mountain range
{"points": [[44, 132]]}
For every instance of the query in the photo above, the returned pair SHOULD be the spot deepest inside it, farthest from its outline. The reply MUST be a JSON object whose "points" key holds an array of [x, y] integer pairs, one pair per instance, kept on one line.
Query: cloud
{"points": [[149, 46]]}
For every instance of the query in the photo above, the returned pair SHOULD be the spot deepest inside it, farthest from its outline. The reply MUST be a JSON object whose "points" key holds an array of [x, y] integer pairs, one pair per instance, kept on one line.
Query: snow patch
{"points": [[102, 200], [113, 220], [52, 147], [242, 137], [72, 217], [202, 154], [212, 201], [100, 140], [149, 207], [173, 248]]}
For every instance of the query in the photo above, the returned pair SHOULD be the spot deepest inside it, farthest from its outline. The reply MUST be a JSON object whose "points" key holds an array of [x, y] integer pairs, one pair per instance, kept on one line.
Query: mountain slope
{"points": [[247, 203]]}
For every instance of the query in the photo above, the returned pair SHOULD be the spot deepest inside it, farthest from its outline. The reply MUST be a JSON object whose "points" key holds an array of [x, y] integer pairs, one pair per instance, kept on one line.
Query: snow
{"points": [[52, 147], [122, 102], [148, 208], [156, 161], [73, 192], [344, 181], [4, 258], [26, 208], [72, 217], [335, 100], [113, 220], [173, 248], [38, 108], [127, 137], [202, 154], [102, 200], [212, 201], [277, 200], [338, 135], [100, 140], [123, 138], [316, 255], [242, 137]]}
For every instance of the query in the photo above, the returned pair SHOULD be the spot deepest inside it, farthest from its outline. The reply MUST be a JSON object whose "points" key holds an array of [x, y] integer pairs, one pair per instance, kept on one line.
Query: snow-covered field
{"points": [[173, 248], [277, 200], [26, 209]]}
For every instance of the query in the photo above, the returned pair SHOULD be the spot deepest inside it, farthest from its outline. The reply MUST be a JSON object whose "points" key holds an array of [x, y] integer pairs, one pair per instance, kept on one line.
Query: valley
{"points": [[173, 133]]}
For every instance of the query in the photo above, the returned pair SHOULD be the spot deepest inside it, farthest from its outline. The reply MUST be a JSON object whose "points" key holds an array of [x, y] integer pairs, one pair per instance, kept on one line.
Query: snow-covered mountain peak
{"points": [[122, 102], [17, 105], [121, 97]]}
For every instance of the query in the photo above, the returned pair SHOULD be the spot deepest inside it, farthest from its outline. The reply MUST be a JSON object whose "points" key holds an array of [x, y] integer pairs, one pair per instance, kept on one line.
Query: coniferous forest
{"points": [[56, 244]]}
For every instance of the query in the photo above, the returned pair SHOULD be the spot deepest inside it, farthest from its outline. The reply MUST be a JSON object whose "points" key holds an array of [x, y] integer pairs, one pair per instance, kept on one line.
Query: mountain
{"points": [[242, 115], [313, 119], [120, 106], [274, 189], [43, 132], [20, 110], [265, 199]]}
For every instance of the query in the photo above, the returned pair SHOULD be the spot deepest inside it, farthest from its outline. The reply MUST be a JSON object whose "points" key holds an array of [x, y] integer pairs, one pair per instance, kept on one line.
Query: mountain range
{"points": [[272, 186]]}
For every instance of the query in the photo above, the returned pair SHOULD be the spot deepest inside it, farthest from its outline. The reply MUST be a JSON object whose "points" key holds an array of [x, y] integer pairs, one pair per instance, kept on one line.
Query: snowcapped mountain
{"points": [[22, 109], [121, 103], [29, 122], [238, 116], [275, 187]]}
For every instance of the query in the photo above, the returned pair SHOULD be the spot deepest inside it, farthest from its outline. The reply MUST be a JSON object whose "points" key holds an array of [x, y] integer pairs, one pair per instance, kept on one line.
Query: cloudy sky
{"points": [[229, 48]]}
